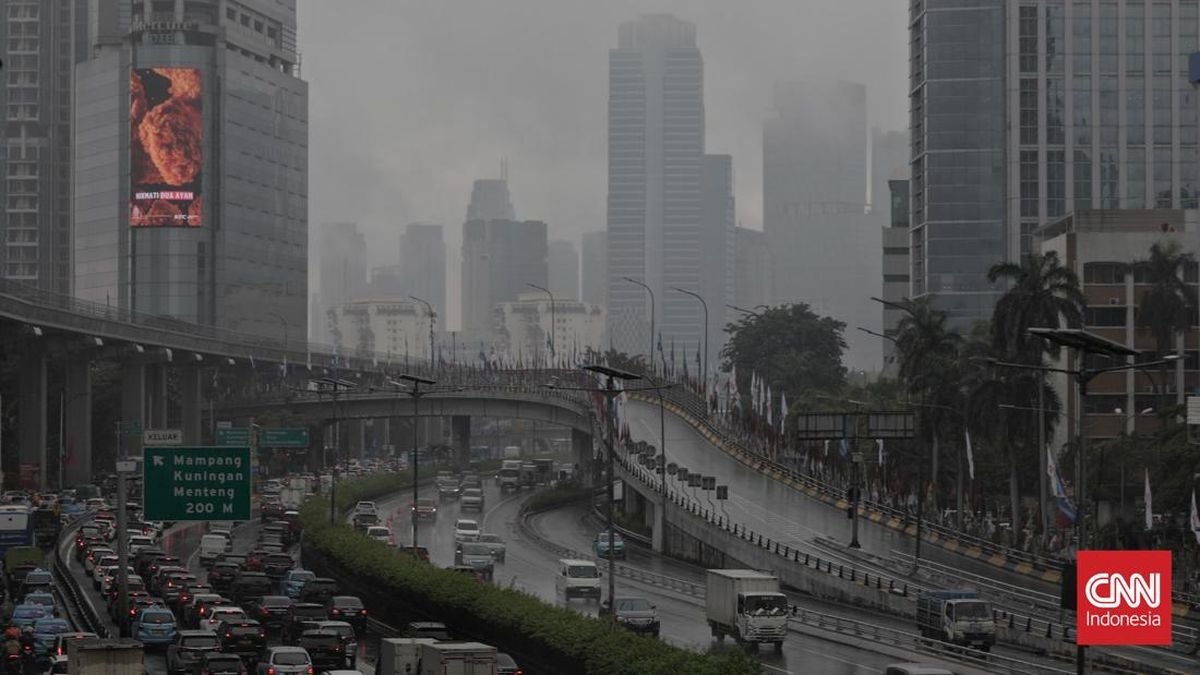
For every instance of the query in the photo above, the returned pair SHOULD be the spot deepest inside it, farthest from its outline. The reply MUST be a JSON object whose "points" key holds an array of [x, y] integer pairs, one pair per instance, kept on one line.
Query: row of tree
{"points": [[953, 383]]}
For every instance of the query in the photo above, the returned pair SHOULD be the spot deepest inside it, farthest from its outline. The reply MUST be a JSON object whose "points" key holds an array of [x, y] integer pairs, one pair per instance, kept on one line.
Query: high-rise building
{"points": [[655, 156], [564, 269], [896, 262], [594, 276], [386, 283], [40, 43], [384, 326], [500, 258], [825, 252], [490, 200], [342, 265], [1023, 112], [191, 172], [423, 265], [718, 245], [752, 285]]}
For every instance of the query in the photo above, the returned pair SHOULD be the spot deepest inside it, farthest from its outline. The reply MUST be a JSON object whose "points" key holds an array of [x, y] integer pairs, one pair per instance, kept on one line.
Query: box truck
{"points": [[746, 605], [958, 616], [427, 656], [105, 657]]}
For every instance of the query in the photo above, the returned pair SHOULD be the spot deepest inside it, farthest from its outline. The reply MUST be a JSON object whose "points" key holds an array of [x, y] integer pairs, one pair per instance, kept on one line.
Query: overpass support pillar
{"points": [[156, 396], [32, 419], [354, 438], [191, 403], [658, 528], [460, 438], [77, 446], [133, 409], [581, 455]]}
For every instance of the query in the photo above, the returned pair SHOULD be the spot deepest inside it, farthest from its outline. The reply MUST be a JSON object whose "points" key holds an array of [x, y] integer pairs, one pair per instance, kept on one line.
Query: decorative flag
{"points": [[826, 449], [736, 400], [783, 411], [970, 455], [660, 353], [1060, 489], [879, 444], [844, 448], [1195, 518], [768, 405], [1149, 502], [686, 377], [672, 355]]}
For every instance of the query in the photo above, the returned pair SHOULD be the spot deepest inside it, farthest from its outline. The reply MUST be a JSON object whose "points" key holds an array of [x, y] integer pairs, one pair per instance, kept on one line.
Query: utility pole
{"points": [[415, 382]]}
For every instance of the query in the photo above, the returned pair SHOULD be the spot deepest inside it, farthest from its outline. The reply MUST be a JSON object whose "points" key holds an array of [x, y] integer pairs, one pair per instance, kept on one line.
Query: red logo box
{"points": [[1123, 598]]}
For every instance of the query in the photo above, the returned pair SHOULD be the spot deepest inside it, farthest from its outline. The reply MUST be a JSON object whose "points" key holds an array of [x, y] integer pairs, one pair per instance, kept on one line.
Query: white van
{"points": [[577, 578], [211, 547]]}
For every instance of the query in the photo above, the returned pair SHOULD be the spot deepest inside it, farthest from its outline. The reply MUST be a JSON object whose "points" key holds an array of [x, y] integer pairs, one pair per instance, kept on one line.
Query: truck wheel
{"points": [[779, 646]]}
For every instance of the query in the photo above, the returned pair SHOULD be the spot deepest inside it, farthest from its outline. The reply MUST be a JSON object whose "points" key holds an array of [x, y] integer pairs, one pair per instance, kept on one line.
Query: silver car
{"points": [[473, 554], [495, 544], [285, 661]]}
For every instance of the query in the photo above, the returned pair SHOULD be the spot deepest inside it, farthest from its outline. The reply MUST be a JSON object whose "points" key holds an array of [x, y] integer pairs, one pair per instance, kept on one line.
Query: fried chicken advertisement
{"points": [[166, 147]]}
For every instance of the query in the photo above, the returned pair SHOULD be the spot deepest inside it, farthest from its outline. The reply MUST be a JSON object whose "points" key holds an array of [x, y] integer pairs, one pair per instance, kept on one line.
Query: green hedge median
{"points": [[545, 637]]}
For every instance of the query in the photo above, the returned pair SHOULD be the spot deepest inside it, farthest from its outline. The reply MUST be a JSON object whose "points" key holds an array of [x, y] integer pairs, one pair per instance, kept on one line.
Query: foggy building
{"points": [[825, 253], [499, 259], [564, 269], [490, 200], [386, 326], [386, 283], [522, 329], [40, 43], [1066, 106], [423, 265], [191, 190], [594, 268], [342, 263], [655, 156], [890, 153], [718, 267], [896, 262], [752, 285]]}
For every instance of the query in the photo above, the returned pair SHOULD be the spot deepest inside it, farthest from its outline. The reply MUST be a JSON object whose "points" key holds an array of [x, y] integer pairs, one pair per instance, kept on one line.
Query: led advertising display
{"points": [[166, 144]]}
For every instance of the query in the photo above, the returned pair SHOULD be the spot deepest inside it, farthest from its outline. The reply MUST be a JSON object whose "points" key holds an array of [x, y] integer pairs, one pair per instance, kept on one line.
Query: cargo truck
{"points": [[510, 475], [105, 657], [746, 605], [958, 616], [427, 656]]}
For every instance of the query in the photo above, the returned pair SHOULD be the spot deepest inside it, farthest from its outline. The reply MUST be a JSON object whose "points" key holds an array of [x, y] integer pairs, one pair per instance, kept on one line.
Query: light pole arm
{"points": [[649, 290]]}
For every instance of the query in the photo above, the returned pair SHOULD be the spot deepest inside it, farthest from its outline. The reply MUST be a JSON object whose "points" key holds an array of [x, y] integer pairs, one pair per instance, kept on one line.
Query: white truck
{"points": [[427, 656], [958, 616], [105, 657], [292, 496], [746, 605], [510, 475]]}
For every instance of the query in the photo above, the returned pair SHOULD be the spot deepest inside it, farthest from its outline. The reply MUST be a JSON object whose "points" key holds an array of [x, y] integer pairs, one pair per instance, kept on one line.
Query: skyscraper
{"points": [[423, 265], [564, 269], [1023, 113], [343, 268], [752, 285], [825, 252], [40, 43], [499, 259], [490, 200], [594, 275], [718, 246], [191, 189], [655, 153]]}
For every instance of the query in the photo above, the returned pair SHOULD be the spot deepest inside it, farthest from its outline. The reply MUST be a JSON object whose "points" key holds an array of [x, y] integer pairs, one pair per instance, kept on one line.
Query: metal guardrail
{"points": [[693, 406], [88, 620]]}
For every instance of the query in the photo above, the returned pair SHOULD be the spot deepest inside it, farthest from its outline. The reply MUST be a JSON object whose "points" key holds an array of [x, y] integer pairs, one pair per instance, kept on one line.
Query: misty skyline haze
{"points": [[470, 83]]}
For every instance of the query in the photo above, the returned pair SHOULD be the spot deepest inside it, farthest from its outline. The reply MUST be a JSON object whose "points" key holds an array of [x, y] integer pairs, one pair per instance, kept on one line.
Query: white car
{"points": [[137, 542], [110, 579], [366, 507], [466, 530], [220, 614], [95, 558], [380, 534]]}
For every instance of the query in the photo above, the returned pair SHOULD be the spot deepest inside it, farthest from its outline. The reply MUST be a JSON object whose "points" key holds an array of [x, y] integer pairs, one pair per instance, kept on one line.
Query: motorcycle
{"points": [[14, 664]]}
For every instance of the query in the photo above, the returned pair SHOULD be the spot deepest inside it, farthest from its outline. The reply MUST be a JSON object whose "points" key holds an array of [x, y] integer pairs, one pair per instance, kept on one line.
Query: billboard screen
{"points": [[166, 144]]}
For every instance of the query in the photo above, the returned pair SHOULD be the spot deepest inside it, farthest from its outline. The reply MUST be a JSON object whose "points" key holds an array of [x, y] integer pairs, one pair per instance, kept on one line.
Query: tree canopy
{"points": [[790, 346]]}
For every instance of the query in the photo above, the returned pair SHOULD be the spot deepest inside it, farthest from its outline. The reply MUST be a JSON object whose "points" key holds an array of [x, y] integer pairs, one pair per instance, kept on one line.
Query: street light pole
{"points": [[704, 305], [416, 393], [553, 320], [650, 361], [432, 323]]}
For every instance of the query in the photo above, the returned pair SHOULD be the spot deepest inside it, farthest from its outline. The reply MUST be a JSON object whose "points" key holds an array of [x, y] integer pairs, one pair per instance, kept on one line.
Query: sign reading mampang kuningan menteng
{"points": [[166, 142]]}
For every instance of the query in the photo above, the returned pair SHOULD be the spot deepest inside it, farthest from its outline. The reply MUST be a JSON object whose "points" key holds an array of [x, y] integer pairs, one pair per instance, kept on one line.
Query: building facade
{"points": [[522, 329], [423, 264], [1025, 111], [191, 163], [342, 263], [655, 157], [717, 271], [399, 328], [564, 269], [1101, 246], [500, 258], [896, 265], [40, 43], [490, 200], [752, 285], [594, 267]]}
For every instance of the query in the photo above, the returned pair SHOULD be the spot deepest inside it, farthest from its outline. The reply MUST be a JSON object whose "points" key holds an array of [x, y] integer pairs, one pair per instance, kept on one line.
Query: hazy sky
{"points": [[410, 101]]}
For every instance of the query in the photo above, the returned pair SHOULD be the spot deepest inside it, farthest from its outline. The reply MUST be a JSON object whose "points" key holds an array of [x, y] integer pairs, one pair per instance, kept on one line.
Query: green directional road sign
{"points": [[196, 483], [234, 436], [282, 438]]}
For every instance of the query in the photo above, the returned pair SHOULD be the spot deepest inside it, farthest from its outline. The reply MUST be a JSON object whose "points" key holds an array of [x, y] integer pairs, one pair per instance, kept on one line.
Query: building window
{"points": [[1104, 273], [1135, 111], [1055, 112], [1029, 111], [1162, 178], [1160, 108], [1056, 183], [1081, 33], [1082, 100], [1160, 36], [1029, 183], [1105, 316], [1054, 38], [1135, 178], [1108, 38], [1135, 37], [1110, 197], [1110, 110], [1189, 165], [1083, 179], [1028, 39]]}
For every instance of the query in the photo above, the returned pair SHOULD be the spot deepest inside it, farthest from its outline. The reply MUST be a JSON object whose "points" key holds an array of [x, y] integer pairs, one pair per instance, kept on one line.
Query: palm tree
{"points": [[1042, 294], [1166, 307]]}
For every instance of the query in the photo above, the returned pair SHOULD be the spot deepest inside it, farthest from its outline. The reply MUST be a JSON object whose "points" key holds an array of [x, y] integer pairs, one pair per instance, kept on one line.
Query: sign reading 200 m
{"points": [[166, 140]]}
